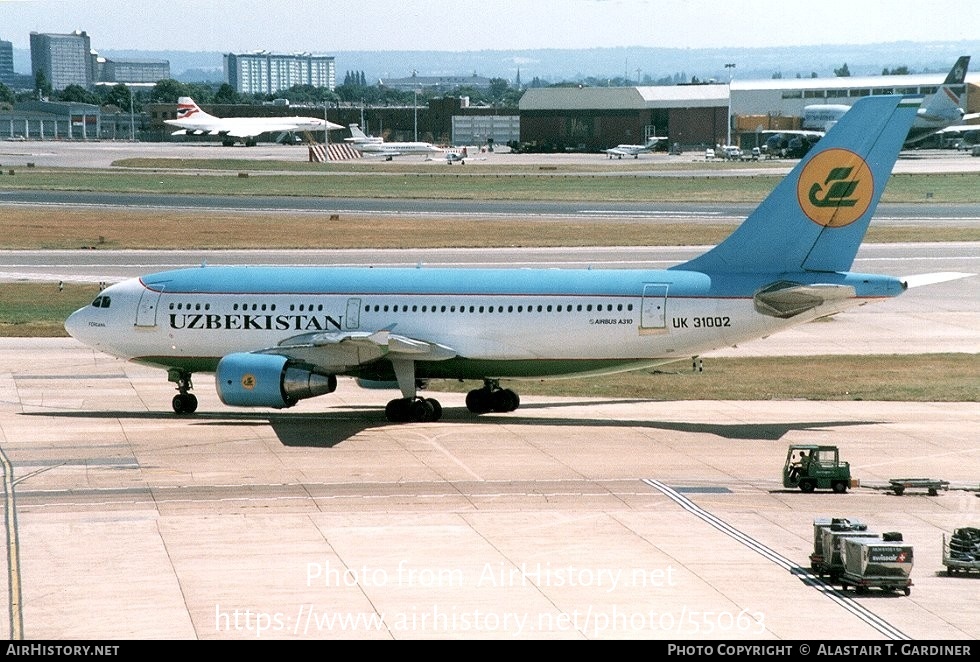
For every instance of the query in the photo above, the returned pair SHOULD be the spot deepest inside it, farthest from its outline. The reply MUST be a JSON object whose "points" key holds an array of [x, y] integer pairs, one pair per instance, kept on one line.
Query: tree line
{"points": [[354, 91]]}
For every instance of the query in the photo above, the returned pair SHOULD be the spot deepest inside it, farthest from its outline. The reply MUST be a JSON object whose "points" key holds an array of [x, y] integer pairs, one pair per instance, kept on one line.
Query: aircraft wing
{"points": [[242, 132], [254, 129], [338, 351]]}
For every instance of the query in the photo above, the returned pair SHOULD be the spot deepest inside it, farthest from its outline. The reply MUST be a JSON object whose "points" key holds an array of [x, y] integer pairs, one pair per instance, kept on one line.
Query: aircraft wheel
{"points": [[398, 410], [436, 409], [505, 400], [184, 403], [478, 401], [404, 410], [421, 411]]}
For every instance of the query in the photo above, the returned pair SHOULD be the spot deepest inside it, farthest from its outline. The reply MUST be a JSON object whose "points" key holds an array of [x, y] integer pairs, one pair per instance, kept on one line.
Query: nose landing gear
{"points": [[184, 402]]}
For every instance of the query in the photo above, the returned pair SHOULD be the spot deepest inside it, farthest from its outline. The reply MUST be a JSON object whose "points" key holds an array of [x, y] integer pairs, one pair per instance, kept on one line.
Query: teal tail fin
{"points": [[816, 218]]}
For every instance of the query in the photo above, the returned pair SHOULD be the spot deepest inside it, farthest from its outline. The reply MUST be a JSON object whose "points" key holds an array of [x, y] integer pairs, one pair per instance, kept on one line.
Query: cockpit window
{"points": [[97, 303], [102, 302]]}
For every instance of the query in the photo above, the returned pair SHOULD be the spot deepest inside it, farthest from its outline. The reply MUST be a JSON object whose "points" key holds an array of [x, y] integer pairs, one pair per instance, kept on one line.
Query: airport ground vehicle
{"points": [[848, 554], [828, 537], [883, 562], [731, 153], [930, 485], [810, 466], [961, 551]]}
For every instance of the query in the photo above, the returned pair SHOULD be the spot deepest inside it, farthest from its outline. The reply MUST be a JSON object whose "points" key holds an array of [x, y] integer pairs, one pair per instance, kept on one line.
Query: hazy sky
{"points": [[329, 26]]}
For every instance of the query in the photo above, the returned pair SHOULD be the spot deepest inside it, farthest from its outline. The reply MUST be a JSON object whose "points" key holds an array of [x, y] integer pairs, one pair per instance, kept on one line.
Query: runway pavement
{"points": [[569, 518], [104, 154]]}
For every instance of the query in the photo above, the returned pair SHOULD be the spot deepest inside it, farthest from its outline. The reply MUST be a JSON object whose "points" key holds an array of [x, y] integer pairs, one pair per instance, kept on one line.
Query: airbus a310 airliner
{"points": [[276, 335]]}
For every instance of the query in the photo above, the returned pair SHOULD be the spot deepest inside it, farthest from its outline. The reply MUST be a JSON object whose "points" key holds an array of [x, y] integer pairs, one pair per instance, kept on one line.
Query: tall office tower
{"points": [[65, 59], [268, 73], [6, 58]]}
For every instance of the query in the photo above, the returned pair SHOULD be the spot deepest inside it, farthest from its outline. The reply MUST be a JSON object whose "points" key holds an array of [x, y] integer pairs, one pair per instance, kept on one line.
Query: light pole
{"points": [[415, 88], [731, 74], [132, 119]]}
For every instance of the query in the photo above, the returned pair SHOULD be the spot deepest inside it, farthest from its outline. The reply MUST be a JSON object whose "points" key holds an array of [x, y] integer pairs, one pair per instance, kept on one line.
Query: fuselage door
{"points": [[146, 311], [653, 311], [353, 318]]}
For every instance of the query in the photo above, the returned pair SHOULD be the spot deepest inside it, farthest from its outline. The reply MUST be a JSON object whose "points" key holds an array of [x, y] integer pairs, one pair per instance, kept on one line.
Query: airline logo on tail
{"points": [[186, 108], [835, 188]]}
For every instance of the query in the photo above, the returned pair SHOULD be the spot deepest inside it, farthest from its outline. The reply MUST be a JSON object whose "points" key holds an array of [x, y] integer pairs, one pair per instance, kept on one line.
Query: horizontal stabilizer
{"points": [[931, 279], [785, 299]]}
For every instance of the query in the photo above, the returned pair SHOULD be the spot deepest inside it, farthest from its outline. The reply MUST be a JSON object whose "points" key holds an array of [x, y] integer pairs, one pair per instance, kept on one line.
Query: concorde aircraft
{"points": [[191, 120], [276, 335]]}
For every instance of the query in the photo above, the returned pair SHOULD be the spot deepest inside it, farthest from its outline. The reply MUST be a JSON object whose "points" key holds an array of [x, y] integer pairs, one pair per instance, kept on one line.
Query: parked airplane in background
{"points": [[376, 146], [938, 111], [276, 335], [457, 155], [961, 137], [191, 120], [943, 108], [633, 150]]}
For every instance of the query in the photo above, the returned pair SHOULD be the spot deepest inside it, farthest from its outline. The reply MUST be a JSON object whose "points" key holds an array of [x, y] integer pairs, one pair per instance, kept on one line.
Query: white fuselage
{"points": [[374, 147], [618, 321], [240, 126]]}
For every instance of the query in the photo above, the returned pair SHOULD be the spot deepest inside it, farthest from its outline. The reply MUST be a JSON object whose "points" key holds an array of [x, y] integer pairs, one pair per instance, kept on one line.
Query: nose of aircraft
{"points": [[77, 324], [74, 323]]}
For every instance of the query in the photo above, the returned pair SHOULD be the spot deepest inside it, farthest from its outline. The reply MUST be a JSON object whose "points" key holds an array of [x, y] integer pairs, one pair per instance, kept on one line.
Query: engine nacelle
{"points": [[267, 380]]}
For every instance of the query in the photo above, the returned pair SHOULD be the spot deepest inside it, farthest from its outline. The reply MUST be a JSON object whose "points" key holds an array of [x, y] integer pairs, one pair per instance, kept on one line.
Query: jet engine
{"points": [[268, 380]]}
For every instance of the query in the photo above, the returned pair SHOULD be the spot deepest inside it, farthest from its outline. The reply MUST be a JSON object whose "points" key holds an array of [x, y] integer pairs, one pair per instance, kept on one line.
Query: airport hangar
{"points": [[696, 115]]}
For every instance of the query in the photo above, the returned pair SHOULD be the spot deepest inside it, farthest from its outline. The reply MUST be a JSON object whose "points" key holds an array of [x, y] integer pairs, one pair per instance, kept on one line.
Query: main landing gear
{"points": [[492, 398], [184, 402], [410, 408], [413, 408]]}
